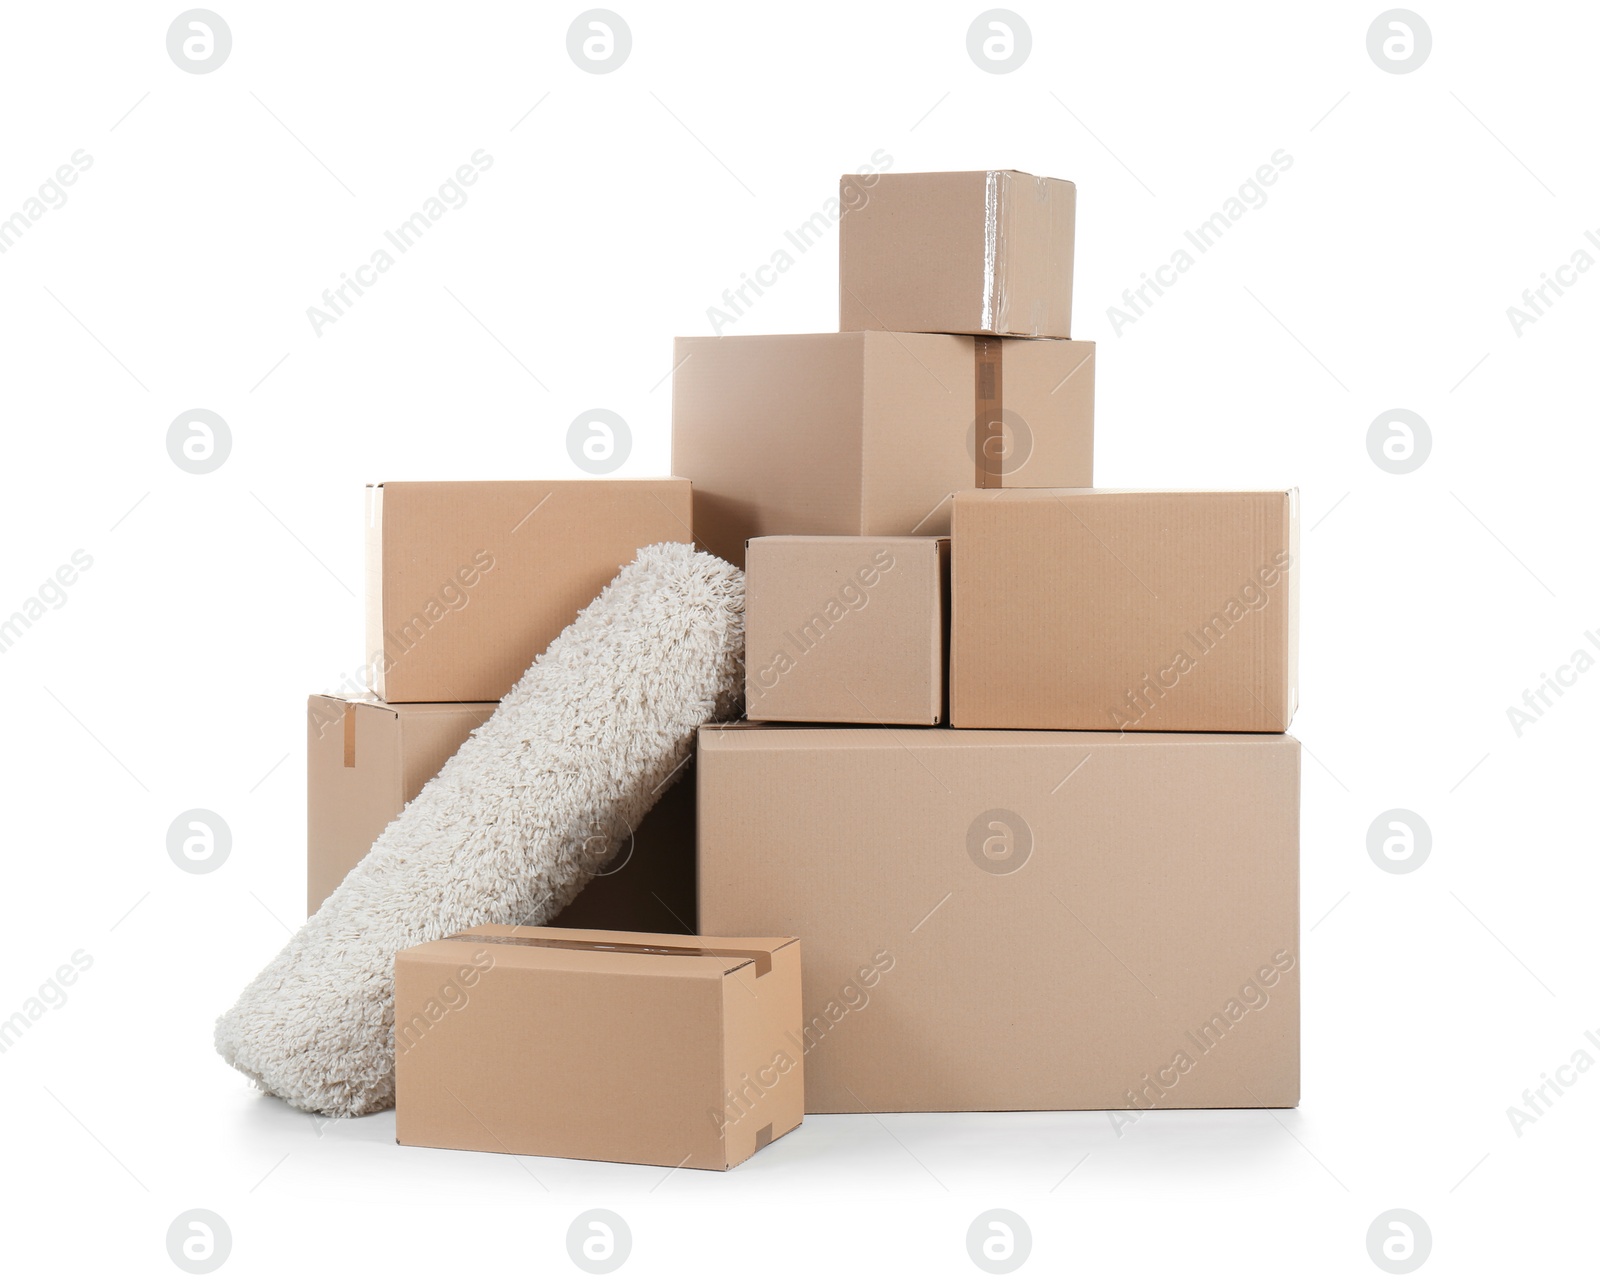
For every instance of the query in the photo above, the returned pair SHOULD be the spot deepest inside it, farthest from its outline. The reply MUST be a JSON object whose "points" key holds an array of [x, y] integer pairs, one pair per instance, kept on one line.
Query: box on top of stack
{"points": [[986, 252]]}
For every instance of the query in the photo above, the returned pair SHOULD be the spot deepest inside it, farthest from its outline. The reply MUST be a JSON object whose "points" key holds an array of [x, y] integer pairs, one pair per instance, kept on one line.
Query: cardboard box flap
{"points": [[614, 952]]}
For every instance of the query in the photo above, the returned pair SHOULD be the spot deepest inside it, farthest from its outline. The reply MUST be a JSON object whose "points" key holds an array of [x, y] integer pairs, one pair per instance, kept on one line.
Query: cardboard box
{"points": [[468, 582], [1125, 610], [365, 760], [1002, 921], [869, 433], [988, 252], [846, 629], [639, 1047]]}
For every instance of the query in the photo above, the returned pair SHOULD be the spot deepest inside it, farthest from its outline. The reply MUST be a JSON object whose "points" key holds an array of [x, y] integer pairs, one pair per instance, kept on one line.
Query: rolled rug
{"points": [[506, 833]]}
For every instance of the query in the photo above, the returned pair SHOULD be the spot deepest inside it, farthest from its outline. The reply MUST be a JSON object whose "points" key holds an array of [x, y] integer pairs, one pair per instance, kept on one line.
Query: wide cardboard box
{"points": [[846, 629], [869, 433], [365, 760], [468, 582], [1125, 610], [1019, 920], [642, 1047], [985, 252]]}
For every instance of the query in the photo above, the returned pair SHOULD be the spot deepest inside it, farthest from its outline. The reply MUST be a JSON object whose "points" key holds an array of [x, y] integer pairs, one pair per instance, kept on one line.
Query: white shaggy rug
{"points": [[504, 833]]}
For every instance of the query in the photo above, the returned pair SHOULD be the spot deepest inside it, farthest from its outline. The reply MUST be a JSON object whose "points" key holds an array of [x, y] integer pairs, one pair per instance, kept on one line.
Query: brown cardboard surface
{"points": [[468, 582], [981, 252], [867, 433], [645, 1047], [1124, 610], [365, 760], [1019, 920], [846, 629]]}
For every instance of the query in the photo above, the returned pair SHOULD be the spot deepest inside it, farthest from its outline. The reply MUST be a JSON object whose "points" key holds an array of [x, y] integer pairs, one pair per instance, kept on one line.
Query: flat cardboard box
{"points": [[869, 433], [639, 1047], [986, 252], [365, 760], [1008, 921], [468, 582], [1125, 610], [846, 629]]}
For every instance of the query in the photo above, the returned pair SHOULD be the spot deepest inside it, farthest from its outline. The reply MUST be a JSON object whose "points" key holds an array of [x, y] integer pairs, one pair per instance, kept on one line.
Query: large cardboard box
{"points": [[1019, 920], [365, 760], [987, 252], [641, 1047], [869, 433], [846, 629], [468, 582], [1125, 610]]}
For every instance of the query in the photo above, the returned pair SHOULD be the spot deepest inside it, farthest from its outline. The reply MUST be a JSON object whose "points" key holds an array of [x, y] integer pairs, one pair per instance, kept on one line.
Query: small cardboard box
{"points": [[1124, 610], [988, 252], [639, 1047], [1009, 921], [468, 582], [846, 629], [365, 760], [869, 433]]}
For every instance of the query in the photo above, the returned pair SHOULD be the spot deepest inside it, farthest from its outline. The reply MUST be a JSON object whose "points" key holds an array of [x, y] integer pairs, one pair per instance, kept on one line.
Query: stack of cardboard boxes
{"points": [[1015, 774]]}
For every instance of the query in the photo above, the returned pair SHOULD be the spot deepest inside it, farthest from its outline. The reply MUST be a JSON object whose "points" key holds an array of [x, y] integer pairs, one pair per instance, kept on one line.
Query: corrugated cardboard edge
{"points": [[1292, 677], [757, 1026], [374, 601], [941, 650]]}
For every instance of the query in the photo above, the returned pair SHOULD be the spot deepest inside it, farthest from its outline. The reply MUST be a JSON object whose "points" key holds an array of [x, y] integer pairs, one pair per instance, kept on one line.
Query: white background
{"points": [[219, 207]]}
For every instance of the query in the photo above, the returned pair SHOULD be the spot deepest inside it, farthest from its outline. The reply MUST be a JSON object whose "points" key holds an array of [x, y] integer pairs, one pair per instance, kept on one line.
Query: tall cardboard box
{"points": [[468, 582], [846, 629], [1125, 610], [365, 760], [986, 252], [869, 433], [638, 1047], [1006, 921]]}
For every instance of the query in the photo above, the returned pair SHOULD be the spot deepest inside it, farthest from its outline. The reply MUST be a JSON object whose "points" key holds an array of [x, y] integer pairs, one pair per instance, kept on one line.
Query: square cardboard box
{"points": [[846, 629], [986, 252]]}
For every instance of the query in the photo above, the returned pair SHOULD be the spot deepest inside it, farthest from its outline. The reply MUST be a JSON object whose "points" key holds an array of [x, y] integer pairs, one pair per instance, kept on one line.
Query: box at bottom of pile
{"points": [[653, 1048], [1019, 920]]}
